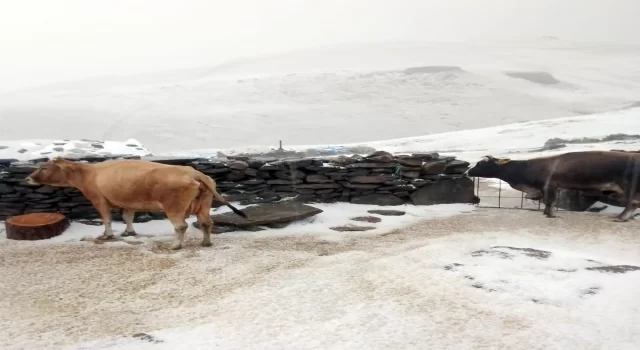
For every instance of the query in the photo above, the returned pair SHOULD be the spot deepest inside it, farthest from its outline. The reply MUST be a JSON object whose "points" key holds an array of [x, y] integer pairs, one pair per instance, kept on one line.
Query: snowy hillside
{"points": [[333, 95], [605, 131]]}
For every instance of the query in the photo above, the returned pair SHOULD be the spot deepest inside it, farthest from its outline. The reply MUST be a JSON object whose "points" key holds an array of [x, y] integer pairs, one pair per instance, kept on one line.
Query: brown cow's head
{"points": [[55, 172], [488, 166]]}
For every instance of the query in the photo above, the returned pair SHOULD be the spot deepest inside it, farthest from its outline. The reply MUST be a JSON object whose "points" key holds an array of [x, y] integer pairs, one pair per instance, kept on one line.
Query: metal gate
{"points": [[494, 193]]}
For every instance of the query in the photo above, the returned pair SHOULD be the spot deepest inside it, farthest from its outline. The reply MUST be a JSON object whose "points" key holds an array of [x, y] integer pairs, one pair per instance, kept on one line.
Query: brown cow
{"points": [[136, 185], [593, 172]]}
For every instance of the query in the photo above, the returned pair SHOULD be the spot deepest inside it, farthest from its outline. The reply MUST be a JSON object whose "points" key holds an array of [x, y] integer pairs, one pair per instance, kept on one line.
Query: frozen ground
{"points": [[335, 214], [331, 95], [441, 283]]}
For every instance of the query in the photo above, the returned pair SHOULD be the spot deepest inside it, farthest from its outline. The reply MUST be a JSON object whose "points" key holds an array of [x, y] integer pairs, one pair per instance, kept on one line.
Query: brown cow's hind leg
{"points": [[176, 215], [202, 208], [180, 227], [127, 216], [206, 226], [176, 206]]}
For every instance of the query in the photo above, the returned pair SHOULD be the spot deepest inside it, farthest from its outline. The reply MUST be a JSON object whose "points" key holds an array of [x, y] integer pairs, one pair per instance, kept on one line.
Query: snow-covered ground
{"points": [[456, 282], [333, 215], [442, 277]]}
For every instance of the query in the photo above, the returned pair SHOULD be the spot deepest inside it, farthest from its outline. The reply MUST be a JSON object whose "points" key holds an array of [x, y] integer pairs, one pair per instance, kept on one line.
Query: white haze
{"points": [[219, 74], [45, 41]]}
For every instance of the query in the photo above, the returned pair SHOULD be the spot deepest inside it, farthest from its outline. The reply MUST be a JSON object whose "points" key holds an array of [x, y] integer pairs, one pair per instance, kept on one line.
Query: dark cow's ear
{"points": [[487, 158], [503, 161]]}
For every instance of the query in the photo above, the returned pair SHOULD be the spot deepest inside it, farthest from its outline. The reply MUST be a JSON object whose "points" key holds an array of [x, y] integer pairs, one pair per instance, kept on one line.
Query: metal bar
{"points": [[477, 186], [499, 193], [515, 208], [474, 187]]}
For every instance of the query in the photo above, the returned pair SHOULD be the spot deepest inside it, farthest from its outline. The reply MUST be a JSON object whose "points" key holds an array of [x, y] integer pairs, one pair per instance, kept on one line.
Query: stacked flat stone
{"points": [[379, 178]]}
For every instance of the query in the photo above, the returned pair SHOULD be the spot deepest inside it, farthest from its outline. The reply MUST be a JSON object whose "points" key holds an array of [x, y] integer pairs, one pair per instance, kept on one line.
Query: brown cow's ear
{"points": [[67, 169], [503, 161]]}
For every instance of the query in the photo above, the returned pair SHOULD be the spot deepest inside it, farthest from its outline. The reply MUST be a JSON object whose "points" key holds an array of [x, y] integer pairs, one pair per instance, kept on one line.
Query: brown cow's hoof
{"points": [[176, 247], [106, 238], [619, 220], [206, 244], [128, 234]]}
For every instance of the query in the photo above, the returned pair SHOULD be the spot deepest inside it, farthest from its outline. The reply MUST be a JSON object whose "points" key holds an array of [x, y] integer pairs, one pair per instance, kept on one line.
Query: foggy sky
{"points": [[43, 41]]}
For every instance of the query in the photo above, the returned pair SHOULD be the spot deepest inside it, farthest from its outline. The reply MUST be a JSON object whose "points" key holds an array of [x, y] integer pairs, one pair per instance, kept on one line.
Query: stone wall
{"points": [[379, 178]]}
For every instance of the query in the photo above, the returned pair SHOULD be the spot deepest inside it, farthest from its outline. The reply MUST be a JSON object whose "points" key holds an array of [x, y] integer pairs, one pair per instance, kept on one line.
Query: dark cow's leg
{"points": [[127, 216], [628, 212], [631, 193], [550, 202], [633, 202]]}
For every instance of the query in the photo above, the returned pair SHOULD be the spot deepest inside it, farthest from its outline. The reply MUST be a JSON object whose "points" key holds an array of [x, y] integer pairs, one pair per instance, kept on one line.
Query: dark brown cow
{"points": [[136, 185], [594, 172]]}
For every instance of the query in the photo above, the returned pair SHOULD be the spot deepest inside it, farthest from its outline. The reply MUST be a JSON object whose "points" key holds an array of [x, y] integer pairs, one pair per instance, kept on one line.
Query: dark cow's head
{"points": [[55, 172], [488, 166]]}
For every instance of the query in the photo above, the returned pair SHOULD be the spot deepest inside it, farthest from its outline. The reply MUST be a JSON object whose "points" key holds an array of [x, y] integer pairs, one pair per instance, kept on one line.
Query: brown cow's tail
{"points": [[207, 181]]}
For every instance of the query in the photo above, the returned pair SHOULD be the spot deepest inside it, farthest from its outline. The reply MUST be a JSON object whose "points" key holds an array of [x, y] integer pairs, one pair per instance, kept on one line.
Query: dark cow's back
{"points": [[592, 167]]}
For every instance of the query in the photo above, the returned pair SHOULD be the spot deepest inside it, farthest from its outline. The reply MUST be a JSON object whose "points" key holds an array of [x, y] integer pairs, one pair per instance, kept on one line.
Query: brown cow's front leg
{"points": [[105, 213], [127, 216], [103, 208]]}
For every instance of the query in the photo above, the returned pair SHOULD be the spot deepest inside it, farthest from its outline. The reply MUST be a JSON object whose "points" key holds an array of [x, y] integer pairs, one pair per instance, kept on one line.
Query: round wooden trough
{"points": [[35, 226]]}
